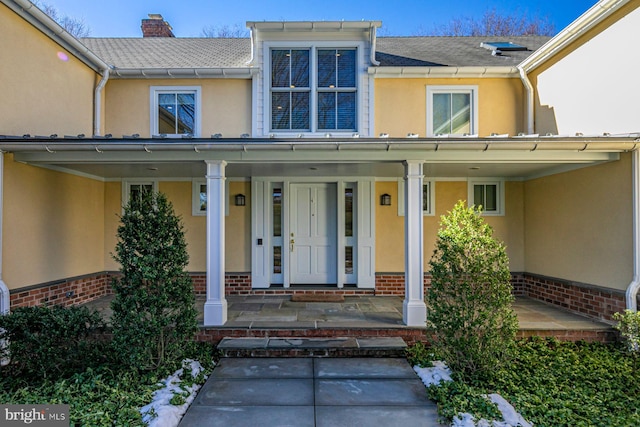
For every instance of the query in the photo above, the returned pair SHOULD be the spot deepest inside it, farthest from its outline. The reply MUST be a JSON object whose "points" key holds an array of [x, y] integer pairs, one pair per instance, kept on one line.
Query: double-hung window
{"points": [[175, 110], [313, 89], [452, 110]]}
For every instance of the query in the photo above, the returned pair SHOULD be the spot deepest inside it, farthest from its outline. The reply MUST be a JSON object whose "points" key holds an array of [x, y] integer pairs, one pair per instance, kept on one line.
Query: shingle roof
{"points": [[168, 52], [451, 51]]}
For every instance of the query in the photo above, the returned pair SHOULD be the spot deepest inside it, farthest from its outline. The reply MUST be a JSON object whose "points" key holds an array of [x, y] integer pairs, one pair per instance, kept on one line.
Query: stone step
{"points": [[313, 347]]}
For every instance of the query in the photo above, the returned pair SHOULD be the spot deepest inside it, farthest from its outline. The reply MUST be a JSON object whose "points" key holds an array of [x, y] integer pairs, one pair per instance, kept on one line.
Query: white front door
{"points": [[312, 240]]}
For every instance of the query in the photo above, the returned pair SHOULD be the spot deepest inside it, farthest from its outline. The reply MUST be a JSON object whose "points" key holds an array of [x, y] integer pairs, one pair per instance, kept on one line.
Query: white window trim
{"points": [[126, 188], [195, 197], [313, 46], [432, 197], [499, 183], [154, 91], [470, 89]]}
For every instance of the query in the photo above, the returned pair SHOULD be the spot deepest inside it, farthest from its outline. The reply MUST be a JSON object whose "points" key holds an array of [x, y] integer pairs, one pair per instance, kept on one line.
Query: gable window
{"points": [[452, 110], [313, 89], [175, 110], [489, 195]]}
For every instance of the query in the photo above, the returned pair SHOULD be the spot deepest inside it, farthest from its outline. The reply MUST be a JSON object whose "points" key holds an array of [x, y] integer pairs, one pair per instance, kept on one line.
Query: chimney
{"points": [[156, 26]]}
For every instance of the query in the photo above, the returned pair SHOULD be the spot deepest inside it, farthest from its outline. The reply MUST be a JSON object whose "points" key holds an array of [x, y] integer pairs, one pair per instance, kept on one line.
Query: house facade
{"points": [[318, 157]]}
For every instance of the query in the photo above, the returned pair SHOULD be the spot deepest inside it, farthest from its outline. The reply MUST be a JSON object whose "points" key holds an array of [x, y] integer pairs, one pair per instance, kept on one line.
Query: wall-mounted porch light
{"points": [[240, 200], [385, 200]]}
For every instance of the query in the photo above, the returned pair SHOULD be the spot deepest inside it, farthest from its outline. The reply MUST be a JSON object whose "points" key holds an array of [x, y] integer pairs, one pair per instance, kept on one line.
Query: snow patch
{"points": [[440, 372], [161, 413]]}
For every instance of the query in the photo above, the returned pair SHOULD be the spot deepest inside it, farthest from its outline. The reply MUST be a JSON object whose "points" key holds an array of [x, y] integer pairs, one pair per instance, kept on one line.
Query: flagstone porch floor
{"points": [[277, 313]]}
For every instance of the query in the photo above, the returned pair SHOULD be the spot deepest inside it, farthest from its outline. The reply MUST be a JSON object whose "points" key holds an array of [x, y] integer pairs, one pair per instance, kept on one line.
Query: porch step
{"points": [[313, 347]]}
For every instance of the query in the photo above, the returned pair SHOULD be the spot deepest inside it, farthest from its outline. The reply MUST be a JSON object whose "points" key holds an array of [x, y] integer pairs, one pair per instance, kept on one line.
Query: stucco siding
{"points": [[593, 87], [53, 225], [390, 226], [225, 106], [401, 105], [49, 90], [179, 193], [578, 225]]}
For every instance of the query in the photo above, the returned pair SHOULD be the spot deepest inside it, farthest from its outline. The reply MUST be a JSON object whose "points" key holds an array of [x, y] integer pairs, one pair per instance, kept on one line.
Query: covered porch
{"points": [[368, 316], [387, 241]]}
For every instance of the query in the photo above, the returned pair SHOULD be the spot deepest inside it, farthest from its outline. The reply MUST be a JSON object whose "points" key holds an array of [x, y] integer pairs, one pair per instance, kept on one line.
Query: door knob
{"points": [[291, 242]]}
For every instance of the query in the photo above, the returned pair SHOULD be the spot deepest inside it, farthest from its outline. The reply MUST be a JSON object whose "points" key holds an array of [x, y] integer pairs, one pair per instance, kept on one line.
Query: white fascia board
{"points": [[313, 25], [184, 73], [592, 17], [443, 72]]}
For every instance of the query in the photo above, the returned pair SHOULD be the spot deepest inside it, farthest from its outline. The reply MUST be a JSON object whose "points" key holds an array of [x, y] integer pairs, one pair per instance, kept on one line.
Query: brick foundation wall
{"points": [[83, 289], [592, 301]]}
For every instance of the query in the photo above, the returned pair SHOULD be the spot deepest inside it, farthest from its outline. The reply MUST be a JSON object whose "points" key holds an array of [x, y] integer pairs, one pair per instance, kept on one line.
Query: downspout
{"points": [[372, 39], [634, 286], [97, 108], [529, 102], [4, 290], [252, 36]]}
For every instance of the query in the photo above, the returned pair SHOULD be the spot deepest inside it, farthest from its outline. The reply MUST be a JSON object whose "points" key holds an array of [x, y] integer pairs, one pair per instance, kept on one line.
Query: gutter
{"points": [[620, 143], [443, 72], [180, 73], [633, 288]]}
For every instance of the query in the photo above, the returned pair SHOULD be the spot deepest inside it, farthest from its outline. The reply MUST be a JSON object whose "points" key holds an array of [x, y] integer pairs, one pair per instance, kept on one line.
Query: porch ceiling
{"points": [[197, 169]]}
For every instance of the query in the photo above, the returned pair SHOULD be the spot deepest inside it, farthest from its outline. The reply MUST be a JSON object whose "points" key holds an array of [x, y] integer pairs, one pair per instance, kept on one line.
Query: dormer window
{"points": [[313, 89]]}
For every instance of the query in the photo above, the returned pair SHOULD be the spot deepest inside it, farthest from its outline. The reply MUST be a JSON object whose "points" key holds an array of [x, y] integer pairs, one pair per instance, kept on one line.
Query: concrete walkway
{"points": [[319, 392]]}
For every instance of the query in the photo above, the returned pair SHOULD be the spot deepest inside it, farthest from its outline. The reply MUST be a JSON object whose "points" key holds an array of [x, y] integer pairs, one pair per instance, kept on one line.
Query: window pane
{"points": [[348, 212], [167, 113], [491, 198], [426, 198], [478, 195], [277, 259], [300, 68], [327, 68], [186, 105], [441, 113], [348, 259], [203, 198], [461, 113], [280, 60], [280, 110], [300, 110], [346, 110], [326, 110], [138, 191], [347, 68], [277, 212]]}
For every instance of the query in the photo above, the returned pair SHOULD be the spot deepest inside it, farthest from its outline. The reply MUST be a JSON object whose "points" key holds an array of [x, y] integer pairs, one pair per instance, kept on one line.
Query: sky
{"points": [[121, 18]]}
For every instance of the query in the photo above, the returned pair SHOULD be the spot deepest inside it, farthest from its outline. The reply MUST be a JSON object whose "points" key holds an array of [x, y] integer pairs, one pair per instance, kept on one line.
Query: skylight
{"points": [[503, 46]]}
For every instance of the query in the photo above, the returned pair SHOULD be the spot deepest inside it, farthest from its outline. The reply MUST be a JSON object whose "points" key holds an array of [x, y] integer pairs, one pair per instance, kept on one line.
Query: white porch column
{"points": [[414, 310], [4, 290], [215, 309]]}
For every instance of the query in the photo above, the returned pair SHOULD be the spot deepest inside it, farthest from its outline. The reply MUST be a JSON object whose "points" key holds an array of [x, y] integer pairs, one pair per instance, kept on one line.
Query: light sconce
{"points": [[240, 200], [385, 200]]}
